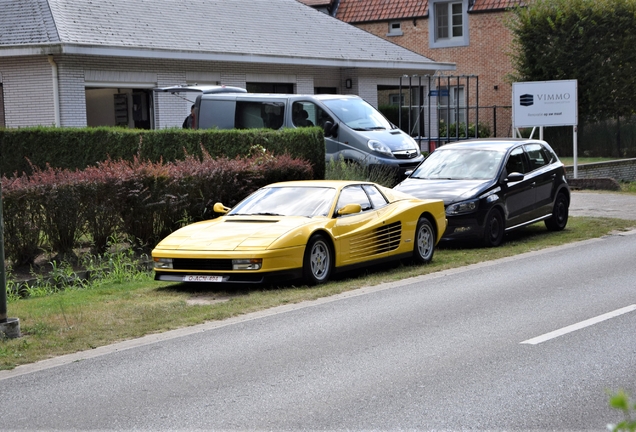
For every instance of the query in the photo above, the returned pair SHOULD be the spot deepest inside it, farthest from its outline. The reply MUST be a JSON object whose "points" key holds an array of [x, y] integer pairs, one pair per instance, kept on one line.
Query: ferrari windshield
{"points": [[287, 201], [460, 164], [358, 114]]}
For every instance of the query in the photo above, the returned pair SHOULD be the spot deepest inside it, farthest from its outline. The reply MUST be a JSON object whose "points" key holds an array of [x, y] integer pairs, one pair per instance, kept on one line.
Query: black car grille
{"points": [[201, 264], [409, 165]]}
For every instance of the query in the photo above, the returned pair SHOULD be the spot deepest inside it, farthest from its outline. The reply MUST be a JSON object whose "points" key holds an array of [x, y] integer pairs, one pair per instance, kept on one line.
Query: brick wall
{"points": [[621, 170], [485, 56]]}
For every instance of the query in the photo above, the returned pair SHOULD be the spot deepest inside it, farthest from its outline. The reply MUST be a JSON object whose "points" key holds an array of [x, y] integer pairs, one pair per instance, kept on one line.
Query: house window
{"points": [[449, 21], [395, 29], [448, 27], [396, 99]]}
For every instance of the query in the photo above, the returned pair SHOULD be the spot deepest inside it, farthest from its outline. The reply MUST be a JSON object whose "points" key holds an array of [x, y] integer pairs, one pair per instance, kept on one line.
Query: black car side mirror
{"points": [[514, 177], [331, 130]]}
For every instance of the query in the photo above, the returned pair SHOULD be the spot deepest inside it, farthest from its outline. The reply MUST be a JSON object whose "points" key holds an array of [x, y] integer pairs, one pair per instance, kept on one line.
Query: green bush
{"points": [[455, 130], [23, 149], [620, 400], [23, 218], [344, 170]]}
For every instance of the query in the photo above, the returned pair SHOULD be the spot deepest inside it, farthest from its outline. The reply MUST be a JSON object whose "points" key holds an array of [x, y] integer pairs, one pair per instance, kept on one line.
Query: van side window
{"points": [[215, 114], [306, 114], [254, 115]]}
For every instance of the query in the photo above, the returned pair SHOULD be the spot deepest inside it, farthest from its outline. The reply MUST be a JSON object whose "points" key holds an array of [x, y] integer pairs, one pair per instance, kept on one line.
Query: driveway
{"points": [[603, 204]]}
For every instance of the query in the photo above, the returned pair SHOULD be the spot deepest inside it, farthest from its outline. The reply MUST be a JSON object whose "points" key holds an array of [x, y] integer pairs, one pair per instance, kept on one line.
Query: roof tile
{"points": [[357, 11], [488, 5], [353, 11]]}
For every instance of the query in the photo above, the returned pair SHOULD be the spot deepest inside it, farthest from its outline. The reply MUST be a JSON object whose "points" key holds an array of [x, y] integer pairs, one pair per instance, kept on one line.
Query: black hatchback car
{"points": [[490, 186]]}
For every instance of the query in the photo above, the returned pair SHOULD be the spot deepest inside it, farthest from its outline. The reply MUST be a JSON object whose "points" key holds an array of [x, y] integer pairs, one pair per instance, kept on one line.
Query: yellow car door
{"points": [[357, 235]]}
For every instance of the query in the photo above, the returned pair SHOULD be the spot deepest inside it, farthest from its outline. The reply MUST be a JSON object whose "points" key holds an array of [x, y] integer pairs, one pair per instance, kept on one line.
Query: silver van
{"points": [[354, 130]]}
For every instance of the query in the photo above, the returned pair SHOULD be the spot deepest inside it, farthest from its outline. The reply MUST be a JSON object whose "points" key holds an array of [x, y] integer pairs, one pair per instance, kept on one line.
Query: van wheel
{"points": [[318, 260], [424, 242], [559, 218], [493, 229]]}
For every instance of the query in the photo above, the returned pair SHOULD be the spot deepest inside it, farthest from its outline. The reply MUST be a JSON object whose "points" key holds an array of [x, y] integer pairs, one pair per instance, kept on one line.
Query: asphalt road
{"points": [[454, 350]]}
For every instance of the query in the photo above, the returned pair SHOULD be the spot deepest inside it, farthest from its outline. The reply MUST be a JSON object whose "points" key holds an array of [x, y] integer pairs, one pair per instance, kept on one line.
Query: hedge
{"points": [[78, 148], [52, 210]]}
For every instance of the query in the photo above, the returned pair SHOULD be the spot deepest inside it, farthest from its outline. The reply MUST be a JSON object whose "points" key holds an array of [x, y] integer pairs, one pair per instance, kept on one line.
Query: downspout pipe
{"points": [[56, 90]]}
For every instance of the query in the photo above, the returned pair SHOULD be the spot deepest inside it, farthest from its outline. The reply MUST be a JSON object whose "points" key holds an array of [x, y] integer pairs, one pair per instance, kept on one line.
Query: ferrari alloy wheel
{"points": [[318, 260], [494, 228], [559, 218], [424, 242]]}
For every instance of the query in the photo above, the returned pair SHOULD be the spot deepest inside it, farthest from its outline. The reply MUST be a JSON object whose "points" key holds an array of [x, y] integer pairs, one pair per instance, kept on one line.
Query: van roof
{"points": [[285, 96]]}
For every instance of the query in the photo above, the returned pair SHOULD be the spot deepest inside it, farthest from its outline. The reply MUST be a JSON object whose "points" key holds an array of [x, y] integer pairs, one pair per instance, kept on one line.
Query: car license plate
{"points": [[194, 278]]}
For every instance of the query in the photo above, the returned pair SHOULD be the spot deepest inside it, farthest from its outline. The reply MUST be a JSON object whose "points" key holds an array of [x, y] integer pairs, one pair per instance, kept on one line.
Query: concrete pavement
{"points": [[603, 204]]}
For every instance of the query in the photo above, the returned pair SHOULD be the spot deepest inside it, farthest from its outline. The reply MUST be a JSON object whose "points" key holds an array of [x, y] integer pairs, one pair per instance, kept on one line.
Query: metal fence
{"points": [[436, 109]]}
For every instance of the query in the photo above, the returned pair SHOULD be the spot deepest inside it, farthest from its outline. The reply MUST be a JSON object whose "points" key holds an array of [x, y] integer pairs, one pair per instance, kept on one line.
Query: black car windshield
{"points": [[460, 164], [358, 114], [287, 201]]}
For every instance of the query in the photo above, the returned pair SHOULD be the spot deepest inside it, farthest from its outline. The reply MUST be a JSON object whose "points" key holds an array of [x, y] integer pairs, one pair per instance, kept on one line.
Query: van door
{"points": [[306, 114]]}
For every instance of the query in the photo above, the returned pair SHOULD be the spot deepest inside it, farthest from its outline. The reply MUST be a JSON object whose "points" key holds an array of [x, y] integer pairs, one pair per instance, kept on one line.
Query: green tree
{"points": [[591, 41]]}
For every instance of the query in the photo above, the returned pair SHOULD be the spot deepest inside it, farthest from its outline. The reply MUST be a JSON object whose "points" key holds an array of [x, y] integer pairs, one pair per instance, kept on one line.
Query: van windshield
{"points": [[358, 114]]}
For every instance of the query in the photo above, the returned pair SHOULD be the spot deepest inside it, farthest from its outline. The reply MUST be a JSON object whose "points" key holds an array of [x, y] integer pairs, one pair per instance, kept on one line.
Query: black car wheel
{"points": [[317, 262], [559, 218], [424, 242], [494, 228]]}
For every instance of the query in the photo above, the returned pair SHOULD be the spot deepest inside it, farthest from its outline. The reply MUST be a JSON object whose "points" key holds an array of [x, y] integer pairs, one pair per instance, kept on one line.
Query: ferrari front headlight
{"points": [[163, 263]]}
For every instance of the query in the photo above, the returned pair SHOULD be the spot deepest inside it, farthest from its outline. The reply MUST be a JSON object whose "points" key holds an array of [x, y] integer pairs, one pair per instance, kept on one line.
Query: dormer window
{"points": [[448, 25], [395, 29], [449, 21]]}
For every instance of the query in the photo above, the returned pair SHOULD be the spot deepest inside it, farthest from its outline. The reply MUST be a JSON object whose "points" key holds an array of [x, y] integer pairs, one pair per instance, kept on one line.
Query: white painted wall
{"points": [[28, 89]]}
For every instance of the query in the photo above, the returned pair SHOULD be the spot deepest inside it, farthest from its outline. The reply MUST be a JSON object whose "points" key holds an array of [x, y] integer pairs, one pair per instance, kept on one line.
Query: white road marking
{"points": [[580, 325]]}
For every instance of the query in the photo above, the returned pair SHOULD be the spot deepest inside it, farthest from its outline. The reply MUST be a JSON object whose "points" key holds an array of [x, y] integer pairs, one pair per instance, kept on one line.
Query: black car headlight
{"points": [[463, 207]]}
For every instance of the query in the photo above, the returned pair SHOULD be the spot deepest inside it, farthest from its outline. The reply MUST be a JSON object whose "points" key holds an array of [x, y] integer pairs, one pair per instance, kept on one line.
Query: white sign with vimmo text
{"points": [[545, 103]]}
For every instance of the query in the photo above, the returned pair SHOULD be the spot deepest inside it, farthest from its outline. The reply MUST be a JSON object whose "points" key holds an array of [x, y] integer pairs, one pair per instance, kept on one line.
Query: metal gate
{"points": [[437, 109]]}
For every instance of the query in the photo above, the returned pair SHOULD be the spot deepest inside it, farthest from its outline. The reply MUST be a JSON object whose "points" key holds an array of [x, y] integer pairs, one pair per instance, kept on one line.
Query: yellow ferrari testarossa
{"points": [[302, 229]]}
